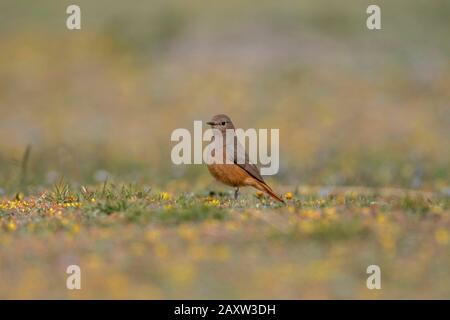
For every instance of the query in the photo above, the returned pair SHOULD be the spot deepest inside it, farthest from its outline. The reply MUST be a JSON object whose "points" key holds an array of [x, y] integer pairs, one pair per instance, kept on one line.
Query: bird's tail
{"points": [[264, 187]]}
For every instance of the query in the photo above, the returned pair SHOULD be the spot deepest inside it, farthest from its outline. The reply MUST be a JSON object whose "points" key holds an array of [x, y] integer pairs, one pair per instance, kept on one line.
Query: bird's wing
{"points": [[241, 158]]}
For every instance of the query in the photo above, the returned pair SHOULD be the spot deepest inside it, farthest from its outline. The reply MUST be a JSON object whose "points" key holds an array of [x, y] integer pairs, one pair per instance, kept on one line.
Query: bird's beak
{"points": [[211, 123]]}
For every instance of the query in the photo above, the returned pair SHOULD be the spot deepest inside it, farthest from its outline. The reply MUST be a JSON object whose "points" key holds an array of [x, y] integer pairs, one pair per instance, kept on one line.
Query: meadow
{"points": [[86, 176], [133, 243]]}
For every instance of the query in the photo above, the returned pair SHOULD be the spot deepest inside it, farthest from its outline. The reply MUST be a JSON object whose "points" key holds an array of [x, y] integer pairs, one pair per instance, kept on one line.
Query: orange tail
{"points": [[264, 187]]}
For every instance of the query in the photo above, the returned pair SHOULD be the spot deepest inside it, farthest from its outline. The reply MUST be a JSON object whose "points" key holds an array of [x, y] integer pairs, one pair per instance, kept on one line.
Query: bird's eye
{"points": [[223, 123]]}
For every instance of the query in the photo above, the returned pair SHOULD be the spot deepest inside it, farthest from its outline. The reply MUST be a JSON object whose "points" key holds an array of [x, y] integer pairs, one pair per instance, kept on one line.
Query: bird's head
{"points": [[221, 122]]}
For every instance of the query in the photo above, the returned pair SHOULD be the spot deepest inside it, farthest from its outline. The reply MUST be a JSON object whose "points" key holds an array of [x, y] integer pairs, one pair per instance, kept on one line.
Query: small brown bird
{"points": [[236, 173]]}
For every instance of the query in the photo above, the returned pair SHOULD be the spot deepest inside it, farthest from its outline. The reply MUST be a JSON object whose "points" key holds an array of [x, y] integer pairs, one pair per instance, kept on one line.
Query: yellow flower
{"points": [[19, 196], [11, 226], [288, 195], [442, 237], [164, 195], [310, 213], [213, 202], [75, 228], [330, 213], [381, 219], [437, 210]]}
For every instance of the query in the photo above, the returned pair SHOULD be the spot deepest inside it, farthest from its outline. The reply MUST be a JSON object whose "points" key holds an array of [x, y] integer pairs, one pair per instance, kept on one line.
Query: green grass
{"points": [[133, 242]]}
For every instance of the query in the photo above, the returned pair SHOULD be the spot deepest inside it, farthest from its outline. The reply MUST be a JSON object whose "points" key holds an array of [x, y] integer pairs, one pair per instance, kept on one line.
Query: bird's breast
{"points": [[229, 174]]}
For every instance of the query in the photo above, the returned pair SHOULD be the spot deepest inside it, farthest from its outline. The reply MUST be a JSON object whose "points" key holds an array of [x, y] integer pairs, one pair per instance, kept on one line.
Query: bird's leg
{"points": [[236, 193]]}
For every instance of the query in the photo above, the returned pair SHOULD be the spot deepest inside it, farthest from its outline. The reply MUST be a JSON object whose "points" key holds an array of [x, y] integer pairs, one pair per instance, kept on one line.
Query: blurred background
{"points": [[354, 107]]}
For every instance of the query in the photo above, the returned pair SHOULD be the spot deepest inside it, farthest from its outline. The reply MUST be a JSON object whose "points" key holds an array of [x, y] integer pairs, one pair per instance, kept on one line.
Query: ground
{"points": [[132, 242], [364, 126]]}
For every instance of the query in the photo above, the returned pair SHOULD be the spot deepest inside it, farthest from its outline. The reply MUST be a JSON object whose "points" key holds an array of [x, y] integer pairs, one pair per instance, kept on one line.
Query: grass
{"points": [[85, 170], [132, 242]]}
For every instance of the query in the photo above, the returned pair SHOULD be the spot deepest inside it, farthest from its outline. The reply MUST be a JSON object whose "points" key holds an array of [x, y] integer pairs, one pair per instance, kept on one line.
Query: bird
{"points": [[238, 171]]}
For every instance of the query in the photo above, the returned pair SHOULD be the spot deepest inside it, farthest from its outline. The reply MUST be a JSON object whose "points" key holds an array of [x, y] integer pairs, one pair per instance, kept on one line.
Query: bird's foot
{"points": [[236, 193]]}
